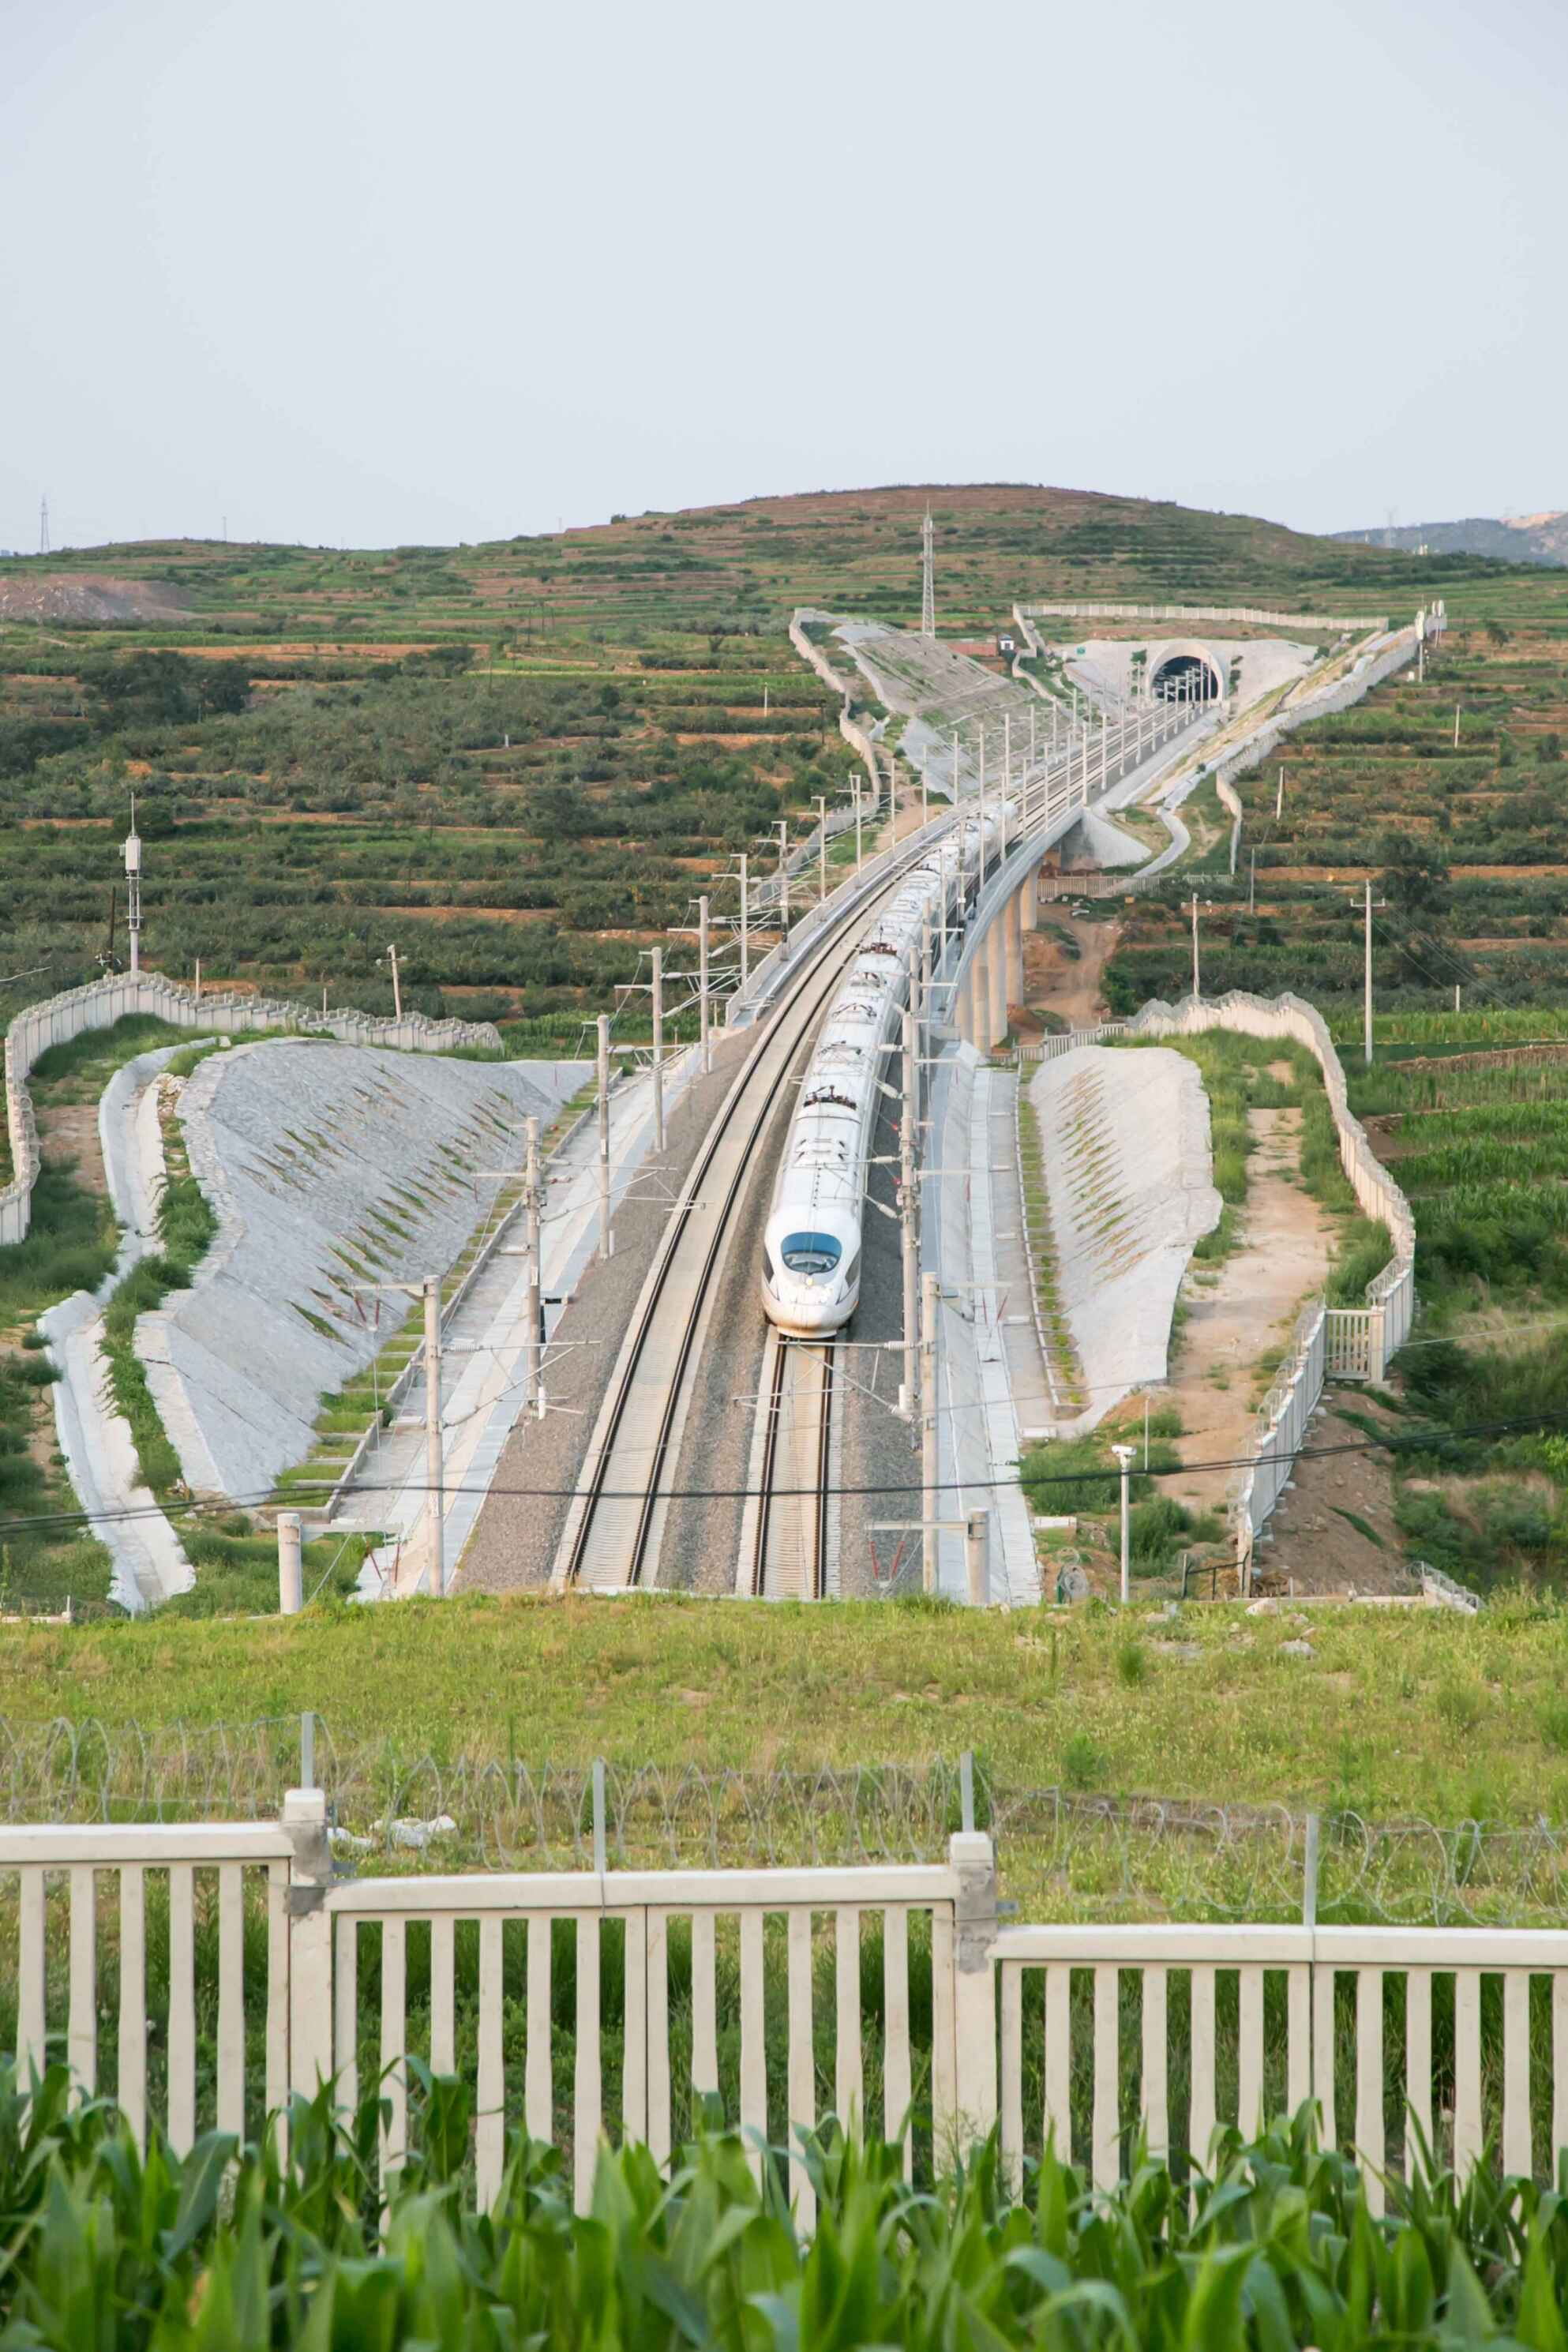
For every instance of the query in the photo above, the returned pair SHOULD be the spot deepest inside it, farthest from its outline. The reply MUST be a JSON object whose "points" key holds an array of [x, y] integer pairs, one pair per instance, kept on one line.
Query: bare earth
{"points": [[1280, 1262], [1054, 979]]}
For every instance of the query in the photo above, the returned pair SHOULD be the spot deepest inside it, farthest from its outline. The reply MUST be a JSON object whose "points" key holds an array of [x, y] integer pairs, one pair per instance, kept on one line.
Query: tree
{"points": [[1415, 877]]}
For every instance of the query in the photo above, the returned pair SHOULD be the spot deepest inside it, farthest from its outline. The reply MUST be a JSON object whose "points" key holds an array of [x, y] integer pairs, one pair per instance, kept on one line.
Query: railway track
{"points": [[789, 1538], [614, 1525]]}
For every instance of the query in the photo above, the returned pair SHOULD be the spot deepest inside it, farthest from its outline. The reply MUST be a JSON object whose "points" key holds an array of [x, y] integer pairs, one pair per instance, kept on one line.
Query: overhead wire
{"points": [[1419, 1439]]}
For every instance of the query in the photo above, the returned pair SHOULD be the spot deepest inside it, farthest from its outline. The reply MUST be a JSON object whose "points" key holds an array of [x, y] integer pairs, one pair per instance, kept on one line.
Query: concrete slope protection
{"points": [[1128, 1183], [329, 1170], [148, 1564]]}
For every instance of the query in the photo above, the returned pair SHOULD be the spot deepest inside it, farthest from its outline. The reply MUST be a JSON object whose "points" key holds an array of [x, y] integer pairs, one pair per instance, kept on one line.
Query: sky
{"points": [[368, 272]]}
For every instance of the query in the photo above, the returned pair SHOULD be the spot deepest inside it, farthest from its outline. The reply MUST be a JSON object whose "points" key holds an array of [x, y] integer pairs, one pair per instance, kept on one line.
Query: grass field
{"points": [[1423, 1712]]}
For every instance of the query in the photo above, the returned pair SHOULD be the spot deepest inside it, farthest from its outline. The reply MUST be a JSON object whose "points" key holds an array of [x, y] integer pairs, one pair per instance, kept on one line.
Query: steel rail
{"points": [[798, 1454], [747, 1109]]}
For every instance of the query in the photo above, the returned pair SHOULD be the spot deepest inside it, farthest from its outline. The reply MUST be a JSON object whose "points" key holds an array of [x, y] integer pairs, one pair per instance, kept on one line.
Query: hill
{"points": [[1509, 538], [755, 560]]}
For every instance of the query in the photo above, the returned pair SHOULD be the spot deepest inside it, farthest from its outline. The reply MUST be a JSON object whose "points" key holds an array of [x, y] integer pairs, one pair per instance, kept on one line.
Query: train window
{"points": [[810, 1252]]}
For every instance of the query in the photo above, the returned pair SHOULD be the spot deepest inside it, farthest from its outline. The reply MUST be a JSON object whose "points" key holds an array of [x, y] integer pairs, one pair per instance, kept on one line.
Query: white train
{"points": [[811, 1243]]}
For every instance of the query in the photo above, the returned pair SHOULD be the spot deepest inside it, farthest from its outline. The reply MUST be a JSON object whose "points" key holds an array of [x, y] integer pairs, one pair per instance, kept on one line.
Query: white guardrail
{"points": [[101, 1002], [1350, 1343], [1247, 613], [823, 1982]]}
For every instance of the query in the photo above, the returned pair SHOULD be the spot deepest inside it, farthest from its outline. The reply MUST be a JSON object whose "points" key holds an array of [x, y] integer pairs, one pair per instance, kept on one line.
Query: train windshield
{"points": [[810, 1252]]}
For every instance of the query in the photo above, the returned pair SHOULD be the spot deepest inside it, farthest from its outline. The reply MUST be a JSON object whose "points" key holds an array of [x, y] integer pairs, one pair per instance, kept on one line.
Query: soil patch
{"points": [[1333, 1529], [68, 1131], [1236, 1314], [1064, 968]]}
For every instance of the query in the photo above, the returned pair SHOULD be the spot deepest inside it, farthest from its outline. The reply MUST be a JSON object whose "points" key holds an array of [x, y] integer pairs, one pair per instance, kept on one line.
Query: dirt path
{"points": [[68, 1131], [1245, 1309], [1059, 981]]}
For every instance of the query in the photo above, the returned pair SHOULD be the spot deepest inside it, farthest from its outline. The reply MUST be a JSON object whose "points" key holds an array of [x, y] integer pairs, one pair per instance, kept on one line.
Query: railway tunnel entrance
{"points": [[1186, 674]]}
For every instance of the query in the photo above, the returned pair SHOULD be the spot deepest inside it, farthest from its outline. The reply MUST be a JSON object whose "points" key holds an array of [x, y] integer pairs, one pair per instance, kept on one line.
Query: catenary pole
{"points": [[606, 1238], [436, 1499]]}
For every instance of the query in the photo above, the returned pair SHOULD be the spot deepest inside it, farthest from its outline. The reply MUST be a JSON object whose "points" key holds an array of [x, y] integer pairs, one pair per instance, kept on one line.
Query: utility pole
{"points": [[909, 1213], [927, 578], [702, 1023], [606, 1238], [534, 1319], [1125, 1455], [1280, 795], [982, 885], [1196, 989], [1366, 1017], [745, 918], [43, 524], [1252, 882], [134, 890], [291, 1570], [821, 799], [858, 807], [435, 1500], [928, 1432], [391, 958], [977, 1559], [658, 990], [782, 823], [1456, 726]]}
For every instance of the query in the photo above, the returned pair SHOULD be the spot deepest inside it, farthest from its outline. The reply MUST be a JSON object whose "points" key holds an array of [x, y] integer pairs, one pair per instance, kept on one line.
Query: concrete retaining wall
{"points": [[101, 1002]]}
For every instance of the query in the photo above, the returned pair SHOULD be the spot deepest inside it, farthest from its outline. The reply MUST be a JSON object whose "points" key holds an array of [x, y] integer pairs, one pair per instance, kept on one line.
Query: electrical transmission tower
{"points": [[928, 579], [43, 526]]}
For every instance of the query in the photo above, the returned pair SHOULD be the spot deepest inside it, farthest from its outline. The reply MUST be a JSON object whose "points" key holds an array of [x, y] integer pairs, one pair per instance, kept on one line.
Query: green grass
{"points": [[862, 1681]]}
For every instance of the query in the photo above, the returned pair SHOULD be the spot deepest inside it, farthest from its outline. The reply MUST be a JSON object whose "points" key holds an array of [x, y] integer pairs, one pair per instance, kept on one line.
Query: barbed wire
{"points": [[1064, 1853]]}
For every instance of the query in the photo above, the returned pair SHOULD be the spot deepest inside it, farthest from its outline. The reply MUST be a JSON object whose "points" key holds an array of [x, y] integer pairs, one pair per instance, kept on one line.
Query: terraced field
{"points": [[518, 762]]}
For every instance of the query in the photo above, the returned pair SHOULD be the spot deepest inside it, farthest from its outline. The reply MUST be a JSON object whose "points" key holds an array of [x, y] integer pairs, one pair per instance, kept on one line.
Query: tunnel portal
{"points": [[1185, 678]]}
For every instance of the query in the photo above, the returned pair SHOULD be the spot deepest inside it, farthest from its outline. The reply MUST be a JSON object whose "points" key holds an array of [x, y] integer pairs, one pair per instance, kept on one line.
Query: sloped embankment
{"points": [[327, 1167], [1130, 1190]]}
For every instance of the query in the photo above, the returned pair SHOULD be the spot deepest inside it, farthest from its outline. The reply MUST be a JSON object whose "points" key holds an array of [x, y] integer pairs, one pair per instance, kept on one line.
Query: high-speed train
{"points": [[811, 1243]]}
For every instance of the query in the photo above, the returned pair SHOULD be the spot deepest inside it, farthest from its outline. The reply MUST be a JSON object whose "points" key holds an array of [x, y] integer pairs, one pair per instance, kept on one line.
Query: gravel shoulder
{"points": [[513, 1544]]}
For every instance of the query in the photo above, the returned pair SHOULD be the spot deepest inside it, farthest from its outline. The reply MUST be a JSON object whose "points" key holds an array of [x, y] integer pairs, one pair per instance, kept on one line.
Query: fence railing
{"points": [[1457, 2039], [198, 1975]]}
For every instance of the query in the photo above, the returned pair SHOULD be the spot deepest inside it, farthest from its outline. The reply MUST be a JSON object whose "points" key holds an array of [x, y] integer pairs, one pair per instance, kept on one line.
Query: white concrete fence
{"points": [[101, 1002], [735, 1984], [1088, 612], [1353, 1343]]}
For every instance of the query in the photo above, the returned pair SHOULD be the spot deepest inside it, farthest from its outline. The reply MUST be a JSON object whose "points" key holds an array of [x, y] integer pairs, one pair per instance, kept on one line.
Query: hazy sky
{"points": [[364, 271]]}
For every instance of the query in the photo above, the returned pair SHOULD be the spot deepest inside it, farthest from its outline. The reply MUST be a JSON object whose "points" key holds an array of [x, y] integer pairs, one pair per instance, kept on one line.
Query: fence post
{"points": [[304, 1823], [1310, 1874], [974, 1859]]}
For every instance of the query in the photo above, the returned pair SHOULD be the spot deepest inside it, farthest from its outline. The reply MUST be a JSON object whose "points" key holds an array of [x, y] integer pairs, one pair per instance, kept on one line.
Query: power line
{"points": [[1395, 1442]]}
